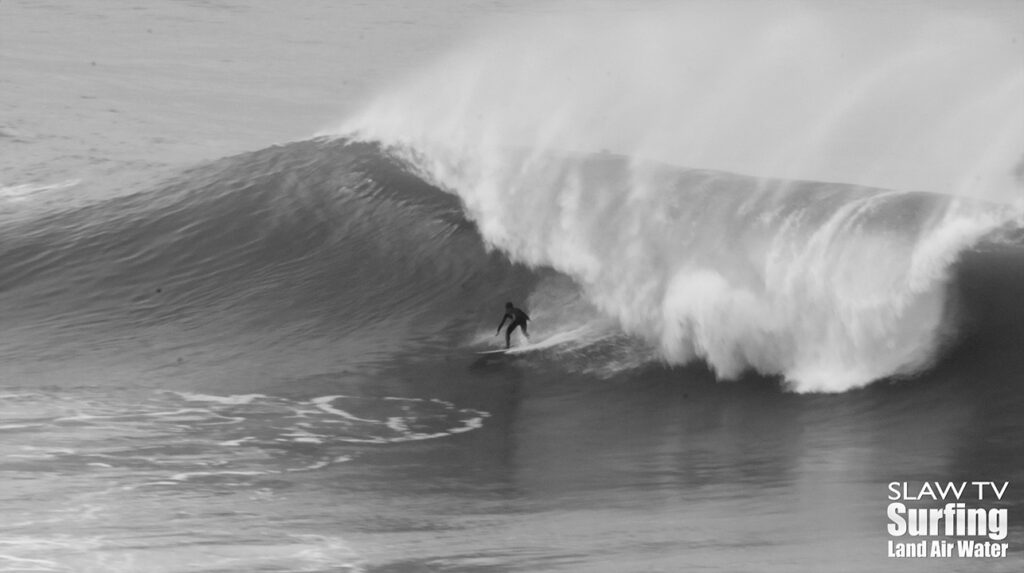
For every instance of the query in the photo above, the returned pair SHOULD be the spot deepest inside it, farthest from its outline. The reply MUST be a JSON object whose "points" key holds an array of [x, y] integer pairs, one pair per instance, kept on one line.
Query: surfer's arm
{"points": [[503, 319]]}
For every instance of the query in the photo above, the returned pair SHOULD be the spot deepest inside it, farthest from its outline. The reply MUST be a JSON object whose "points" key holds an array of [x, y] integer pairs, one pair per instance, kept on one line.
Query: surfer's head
{"points": [[509, 306]]}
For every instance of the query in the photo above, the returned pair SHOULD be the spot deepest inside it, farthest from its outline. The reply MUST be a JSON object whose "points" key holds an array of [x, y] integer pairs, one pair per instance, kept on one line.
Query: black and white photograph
{"points": [[523, 286]]}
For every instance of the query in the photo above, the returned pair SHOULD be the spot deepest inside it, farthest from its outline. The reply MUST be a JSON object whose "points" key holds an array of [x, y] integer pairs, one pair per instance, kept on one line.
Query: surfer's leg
{"points": [[508, 335], [525, 334]]}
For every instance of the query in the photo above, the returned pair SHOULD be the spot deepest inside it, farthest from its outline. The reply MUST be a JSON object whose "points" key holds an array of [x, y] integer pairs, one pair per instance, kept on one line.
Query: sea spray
{"points": [[829, 285], [867, 93]]}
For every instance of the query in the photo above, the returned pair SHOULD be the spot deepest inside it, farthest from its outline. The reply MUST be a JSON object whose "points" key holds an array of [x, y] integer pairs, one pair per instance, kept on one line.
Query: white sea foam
{"points": [[232, 399], [24, 190], [184, 476]]}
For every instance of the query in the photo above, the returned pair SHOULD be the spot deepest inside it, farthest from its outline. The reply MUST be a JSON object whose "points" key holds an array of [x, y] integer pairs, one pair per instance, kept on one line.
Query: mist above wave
{"points": [[912, 98]]}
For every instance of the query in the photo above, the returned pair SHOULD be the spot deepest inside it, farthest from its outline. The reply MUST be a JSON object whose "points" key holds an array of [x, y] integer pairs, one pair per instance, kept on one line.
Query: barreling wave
{"points": [[829, 286]]}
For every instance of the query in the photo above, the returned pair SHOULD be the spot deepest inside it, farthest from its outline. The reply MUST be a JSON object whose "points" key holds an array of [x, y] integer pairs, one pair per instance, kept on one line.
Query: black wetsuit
{"points": [[518, 318]]}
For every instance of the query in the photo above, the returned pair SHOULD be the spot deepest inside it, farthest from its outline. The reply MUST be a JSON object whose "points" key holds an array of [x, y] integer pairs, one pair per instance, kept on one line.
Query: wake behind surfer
{"points": [[518, 318]]}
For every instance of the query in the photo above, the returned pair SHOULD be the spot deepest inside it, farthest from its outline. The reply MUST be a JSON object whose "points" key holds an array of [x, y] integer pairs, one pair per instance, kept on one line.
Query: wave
{"points": [[628, 263]]}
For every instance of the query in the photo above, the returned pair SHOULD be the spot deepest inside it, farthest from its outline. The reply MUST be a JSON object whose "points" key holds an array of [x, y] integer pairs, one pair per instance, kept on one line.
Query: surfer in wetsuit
{"points": [[518, 318]]}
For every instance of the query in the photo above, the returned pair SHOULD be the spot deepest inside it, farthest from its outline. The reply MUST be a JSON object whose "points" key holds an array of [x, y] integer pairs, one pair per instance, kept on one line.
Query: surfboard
{"points": [[517, 349], [548, 342], [496, 351]]}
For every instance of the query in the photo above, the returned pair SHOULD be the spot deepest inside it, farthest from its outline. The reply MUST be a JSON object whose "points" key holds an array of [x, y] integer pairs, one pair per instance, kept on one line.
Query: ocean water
{"points": [[250, 254]]}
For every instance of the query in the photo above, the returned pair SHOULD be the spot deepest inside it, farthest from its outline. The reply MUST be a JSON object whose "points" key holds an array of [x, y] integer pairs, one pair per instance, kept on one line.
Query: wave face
{"points": [[309, 241]]}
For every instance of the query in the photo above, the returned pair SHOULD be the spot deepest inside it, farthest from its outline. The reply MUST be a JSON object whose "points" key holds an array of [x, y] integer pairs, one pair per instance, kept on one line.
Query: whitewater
{"points": [[832, 286]]}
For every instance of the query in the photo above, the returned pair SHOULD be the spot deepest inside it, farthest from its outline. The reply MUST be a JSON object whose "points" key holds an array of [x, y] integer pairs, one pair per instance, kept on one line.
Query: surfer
{"points": [[518, 318]]}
